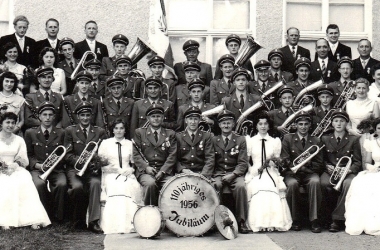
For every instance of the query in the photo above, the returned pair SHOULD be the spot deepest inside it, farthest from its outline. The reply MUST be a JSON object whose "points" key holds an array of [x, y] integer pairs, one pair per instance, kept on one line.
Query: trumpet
{"points": [[301, 99], [52, 161], [289, 121], [340, 173], [203, 125], [305, 157], [86, 156], [81, 63]]}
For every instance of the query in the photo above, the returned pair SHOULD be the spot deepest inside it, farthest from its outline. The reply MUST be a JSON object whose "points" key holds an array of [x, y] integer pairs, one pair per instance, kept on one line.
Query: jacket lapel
{"points": [[162, 137], [197, 138], [187, 138], [150, 136], [80, 134], [53, 135], [90, 134], [220, 142], [231, 142], [297, 143], [112, 104]]}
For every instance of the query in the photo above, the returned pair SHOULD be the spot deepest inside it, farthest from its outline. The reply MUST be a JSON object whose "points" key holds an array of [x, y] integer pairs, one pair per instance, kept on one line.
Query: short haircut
{"points": [[328, 45], [53, 20], [8, 115], [332, 26], [20, 18], [9, 75], [6, 47], [44, 51], [91, 21], [365, 39], [291, 28]]}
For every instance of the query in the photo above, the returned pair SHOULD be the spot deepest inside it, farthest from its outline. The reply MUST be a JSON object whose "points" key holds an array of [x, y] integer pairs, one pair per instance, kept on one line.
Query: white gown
{"points": [[20, 204], [268, 208], [363, 197], [122, 194]]}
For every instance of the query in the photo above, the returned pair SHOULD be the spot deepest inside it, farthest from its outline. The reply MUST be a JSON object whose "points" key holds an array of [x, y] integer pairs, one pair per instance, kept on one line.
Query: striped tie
{"points": [[323, 67]]}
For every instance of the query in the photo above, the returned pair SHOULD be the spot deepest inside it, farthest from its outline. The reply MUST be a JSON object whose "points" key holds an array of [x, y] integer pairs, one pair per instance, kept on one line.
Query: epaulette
{"points": [[73, 125]]}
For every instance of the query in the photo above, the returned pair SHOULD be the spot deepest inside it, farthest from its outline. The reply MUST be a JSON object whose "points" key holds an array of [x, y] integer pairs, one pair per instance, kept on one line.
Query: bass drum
{"points": [[188, 202], [148, 221]]}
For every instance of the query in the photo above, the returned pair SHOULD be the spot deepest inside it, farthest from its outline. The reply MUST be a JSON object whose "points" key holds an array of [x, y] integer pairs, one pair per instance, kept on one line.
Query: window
{"points": [[6, 17], [209, 22], [354, 18]]}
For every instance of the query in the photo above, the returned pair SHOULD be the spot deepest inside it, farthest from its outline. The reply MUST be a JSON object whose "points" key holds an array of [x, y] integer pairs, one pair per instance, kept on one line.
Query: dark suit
{"points": [[45, 43], [228, 160], [197, 155], [219, 74], [26, 57], [205, 74], [186, 106], [35, 100], [348, 146], [308, 175], [38, 150], [233, 104], [183, 95], [68, 71], [288, 59], [331, 73], [161, 155], [366, 73], [341, 51], [100, 50], [83, 191]]}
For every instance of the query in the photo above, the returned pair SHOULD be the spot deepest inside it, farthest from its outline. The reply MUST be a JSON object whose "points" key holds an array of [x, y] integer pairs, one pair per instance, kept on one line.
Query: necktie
{"points": [[53, 45], [120, 156], [21, 43], [72, 65], [85, 133], [46, 134], [303, 142], [47, 96], [156, 135], [344, 83], [94, 85], [84, 99], [338, 140], [229, 84], [294, 51], [363, 63], [287, 113], [153, 103], [326, 111], [192, 137], [118, 104], [226, 142], [242, 101], [263, 87], [276, 77], [323, 67]]}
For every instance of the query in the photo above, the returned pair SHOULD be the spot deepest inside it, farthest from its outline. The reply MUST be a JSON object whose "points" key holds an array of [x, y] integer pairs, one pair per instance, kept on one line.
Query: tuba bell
{"points": [[249, 48], [52, 161], [301, 99], [305, 157], [203, 125], [340, 173], [139, 50]]}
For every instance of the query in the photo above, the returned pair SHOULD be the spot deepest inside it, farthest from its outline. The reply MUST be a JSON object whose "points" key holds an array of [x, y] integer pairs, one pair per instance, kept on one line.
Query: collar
{"points": [[53, 41], [122, 142], [300, 136], [259, 137], [291, 47], [325, 60], [273, 71], [18, 37], [43, 92], [87, 128], [283, 109], [227, 79], [239, 93], [261, 82], [72, 60], [199, 105], [90, 42], [364, 60], [333, 45], [190, 132], [158, 130], [48, 129], [340, 136], [116, 100], [81, 96], [342, 80], [151, 101], [229, 137]]}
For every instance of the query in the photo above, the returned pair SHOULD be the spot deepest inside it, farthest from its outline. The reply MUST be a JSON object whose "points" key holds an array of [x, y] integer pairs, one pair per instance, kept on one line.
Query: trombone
{"points": [[82, 62]]}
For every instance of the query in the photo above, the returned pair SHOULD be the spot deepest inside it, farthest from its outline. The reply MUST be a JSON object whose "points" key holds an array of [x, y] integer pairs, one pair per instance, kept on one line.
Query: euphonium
{"points": [[300, 99], [86, 156], [340, 173], [249, 48], [81, 63], [203, 125], [139, 50], [305, 157], [242, 123], [268, 103], [289, 121], [52, 161]]}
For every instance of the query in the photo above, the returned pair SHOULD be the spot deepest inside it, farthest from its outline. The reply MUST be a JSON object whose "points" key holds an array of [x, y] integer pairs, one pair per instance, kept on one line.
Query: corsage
{"points": [[201, 145], [235, 150], [165, 144], [328, 73]]}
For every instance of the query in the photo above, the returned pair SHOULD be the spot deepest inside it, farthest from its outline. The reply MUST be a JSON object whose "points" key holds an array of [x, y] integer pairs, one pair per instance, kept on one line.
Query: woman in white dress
{"points": [[20, 204], [363, 198], [268, 208], [374, 89], [9, 101], [120, 188], [49, 58]]}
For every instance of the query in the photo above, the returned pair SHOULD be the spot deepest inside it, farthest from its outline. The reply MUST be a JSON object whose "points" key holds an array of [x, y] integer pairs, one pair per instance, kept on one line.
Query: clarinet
{"points": [[105, 118], [34, 111], [139, 151], [68, 111]]}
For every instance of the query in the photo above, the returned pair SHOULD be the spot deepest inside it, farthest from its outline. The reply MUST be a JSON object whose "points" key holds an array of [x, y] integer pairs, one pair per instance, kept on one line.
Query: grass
{"points": [[53, 237]]}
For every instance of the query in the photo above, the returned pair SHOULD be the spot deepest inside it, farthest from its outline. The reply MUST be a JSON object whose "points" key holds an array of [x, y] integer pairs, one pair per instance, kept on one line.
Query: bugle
{"points": [[52, 161], [81, 63], [340, 173], [86, 156], [203, 125], [289, 121], [305, 157], [301, 99]]}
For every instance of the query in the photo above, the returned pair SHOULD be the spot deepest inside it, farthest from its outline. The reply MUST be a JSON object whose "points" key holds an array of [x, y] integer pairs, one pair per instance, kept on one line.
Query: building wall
{"points": [[376, 29]]}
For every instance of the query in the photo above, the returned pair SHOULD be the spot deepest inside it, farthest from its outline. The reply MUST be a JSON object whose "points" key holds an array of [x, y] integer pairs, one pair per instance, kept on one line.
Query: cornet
{"points": [[81, 63], [52, 161], [86, 156], [340, 173], [305, 157]]}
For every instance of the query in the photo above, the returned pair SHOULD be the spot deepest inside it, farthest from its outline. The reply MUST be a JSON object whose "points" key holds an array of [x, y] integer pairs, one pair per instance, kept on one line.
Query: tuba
{"points": [[86, 156], [82, 62], [305, 157], [52, 161], [340, 173], [203, 125], [289, 121], [301, 99], [249, 48]]}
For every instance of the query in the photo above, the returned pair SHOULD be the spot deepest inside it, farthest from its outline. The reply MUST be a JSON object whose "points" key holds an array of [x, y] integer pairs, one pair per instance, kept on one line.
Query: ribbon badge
{"points": [[201, 145], [98, 51], [328, 73], [235, 150]]}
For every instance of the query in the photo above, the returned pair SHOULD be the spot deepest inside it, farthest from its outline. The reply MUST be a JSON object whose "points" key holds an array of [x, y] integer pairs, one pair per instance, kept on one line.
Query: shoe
{"points": [[334, 227], [296, 226], [93, 226], [36, 226], [243, 229], [315, 227], [80, 225]]}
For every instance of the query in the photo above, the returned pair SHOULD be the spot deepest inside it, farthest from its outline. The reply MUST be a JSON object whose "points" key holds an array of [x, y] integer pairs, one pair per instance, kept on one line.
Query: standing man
{"points": [[233, 43], [325, 96], [231, 164], [345, 65], [293, 51], [364, 63], [156, 154], [263, 82], [191, 51], [52, 29], [294, 145], [84, 192], [323, 67], [90, 44], [25, 45], [337, 49], [275, 58], [40, 143]]}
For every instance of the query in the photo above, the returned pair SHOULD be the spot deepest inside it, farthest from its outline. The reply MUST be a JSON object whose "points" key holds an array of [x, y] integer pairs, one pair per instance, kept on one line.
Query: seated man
{"points": [[41, 142], [338, 145], [275, 58], [155, 154], [293, 145], [195, 152], [231, 164]]}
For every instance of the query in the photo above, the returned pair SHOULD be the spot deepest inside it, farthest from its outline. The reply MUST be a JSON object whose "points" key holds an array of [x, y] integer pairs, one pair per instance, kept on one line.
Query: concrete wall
{"points": [[376, 29]]}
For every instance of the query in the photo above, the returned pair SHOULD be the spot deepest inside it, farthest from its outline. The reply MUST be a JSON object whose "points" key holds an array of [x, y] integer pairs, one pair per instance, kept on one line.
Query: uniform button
{"points": [[155, 155], [45, 146], [47, 154], [192, 155], [225, 159], [337, 159], [192, 147], [225, 152], [192, 164]]}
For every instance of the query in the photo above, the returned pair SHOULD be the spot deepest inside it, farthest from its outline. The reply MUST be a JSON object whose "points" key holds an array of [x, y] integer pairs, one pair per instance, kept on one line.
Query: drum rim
{"points": [[220, 207], [162, 223]]}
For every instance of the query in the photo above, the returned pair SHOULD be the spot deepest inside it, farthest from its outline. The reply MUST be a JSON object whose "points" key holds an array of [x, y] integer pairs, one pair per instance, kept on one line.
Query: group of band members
{"points": [[163, 116]]}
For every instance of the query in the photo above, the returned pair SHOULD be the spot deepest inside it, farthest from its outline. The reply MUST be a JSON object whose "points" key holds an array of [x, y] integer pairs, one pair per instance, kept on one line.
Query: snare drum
{"points": [[148, 221], [188, 202]]}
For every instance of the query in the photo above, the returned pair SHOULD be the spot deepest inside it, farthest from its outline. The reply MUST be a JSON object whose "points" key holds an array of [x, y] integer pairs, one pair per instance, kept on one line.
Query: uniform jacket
{"points": [[100, 50], [318, 115], [108, 67], [26, 58], [366, 73], [288, 60], [278, 117], [255, 89], [35, 100], [292, 148], [197, 155], [338, 88], [183, 95], [161, 155], [348, 146], [205, 74], [282, 74], [72, 102], [219, 90], [233, 104], [230, 159], [331, 74], [182, 110], [39, 149], [168, 86], [68, 71], [74, 136], [219, 74]]}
